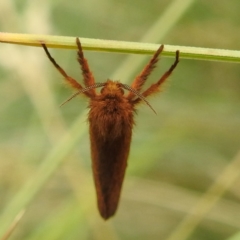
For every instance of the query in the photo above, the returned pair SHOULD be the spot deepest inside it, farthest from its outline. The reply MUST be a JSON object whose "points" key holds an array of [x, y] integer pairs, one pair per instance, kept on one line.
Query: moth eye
{"points": [[103, 90]]}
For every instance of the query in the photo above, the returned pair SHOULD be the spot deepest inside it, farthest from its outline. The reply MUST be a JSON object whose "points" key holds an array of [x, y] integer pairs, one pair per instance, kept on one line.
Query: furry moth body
{"points": [[111, 119]]}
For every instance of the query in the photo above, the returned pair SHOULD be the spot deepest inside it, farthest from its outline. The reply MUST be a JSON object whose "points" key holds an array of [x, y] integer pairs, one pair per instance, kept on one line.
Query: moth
{"points": [[111, 120]]}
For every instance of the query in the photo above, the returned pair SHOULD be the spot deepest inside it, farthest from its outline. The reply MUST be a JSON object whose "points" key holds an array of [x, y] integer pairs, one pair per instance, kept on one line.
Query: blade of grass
{"points": [[121, 46], [236, 236], [167, 20], [13, 225], [52, 161], [208, 200]]}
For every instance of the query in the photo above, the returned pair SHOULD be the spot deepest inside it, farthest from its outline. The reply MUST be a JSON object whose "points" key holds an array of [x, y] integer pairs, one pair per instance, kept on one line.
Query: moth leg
{"points": [[154, 88], [87, 75], [72, 82], [140, 79]]}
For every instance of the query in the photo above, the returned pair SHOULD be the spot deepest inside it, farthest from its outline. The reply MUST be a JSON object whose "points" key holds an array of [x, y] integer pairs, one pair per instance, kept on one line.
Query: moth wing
{"points": [[109, 162]]}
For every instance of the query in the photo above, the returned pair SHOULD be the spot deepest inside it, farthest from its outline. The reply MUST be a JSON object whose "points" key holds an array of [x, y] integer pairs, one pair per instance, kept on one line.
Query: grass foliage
{"points": [[182, 180]]}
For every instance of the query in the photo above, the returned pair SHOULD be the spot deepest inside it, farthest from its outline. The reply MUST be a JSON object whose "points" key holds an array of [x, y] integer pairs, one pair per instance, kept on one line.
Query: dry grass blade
{"points": [[120, 46], [13, 226], [208, 200]]}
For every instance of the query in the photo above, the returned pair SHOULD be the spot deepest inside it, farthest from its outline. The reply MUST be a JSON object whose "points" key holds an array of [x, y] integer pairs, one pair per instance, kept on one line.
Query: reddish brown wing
{"points": [[110, 137], [109, 166]]}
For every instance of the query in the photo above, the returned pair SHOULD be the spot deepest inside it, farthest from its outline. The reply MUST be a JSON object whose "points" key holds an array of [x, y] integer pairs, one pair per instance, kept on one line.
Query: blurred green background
{"points": [[175, 156]]}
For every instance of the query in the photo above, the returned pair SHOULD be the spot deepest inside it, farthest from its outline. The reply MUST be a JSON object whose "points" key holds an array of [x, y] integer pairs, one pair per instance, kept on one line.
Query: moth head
{"points": [[112, 88]]}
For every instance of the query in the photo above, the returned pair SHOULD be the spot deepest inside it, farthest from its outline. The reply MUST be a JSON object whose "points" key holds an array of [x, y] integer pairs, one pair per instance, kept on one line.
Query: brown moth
{"points": [[111, 119]]}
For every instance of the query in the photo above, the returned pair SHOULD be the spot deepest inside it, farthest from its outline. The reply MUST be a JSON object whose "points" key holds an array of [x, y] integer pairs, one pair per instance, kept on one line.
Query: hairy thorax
{"points": [[110, 115]]}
